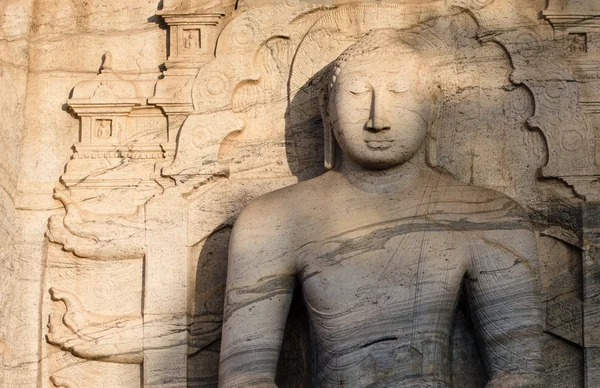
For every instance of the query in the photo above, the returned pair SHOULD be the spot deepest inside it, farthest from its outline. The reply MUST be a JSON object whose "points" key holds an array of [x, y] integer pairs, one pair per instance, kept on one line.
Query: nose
{"points": [[378, 120]]}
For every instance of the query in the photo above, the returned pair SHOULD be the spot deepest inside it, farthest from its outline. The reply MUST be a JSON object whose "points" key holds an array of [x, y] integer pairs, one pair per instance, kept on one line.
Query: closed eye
{"points": [[399, 86], [359, 92], [358, 88], [398, 91]]}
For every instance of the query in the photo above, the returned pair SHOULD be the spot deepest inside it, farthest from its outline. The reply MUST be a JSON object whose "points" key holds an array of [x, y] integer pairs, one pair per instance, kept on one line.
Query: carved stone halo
{"points": [[344, 26]]}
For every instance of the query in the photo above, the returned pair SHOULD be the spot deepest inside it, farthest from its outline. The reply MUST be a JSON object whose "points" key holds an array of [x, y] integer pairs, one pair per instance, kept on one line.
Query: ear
{"points": [[422, 85], [434, 126], [429, 91], [329, 138]]}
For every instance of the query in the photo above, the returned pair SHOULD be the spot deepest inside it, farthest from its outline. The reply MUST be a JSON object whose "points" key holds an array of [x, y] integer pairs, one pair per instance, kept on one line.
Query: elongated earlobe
{"points": [[328, 136], [329, 148], [433, 131]]}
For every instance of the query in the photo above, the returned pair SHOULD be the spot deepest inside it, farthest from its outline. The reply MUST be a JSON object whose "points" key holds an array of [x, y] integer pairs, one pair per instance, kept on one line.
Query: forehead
{"points": [[382, 63]]}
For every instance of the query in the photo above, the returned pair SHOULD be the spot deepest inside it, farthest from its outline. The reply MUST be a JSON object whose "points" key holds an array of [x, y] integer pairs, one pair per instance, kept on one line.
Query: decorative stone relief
{"points": [[136, 263], [217, 84], [95, 337], [95, 236]]}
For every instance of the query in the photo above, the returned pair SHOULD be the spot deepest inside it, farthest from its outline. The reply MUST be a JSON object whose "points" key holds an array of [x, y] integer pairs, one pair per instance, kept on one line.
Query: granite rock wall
{"points": [[18, 356], [204, 121]]}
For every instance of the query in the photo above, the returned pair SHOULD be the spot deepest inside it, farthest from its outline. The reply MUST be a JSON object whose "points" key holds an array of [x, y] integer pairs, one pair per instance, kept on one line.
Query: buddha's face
{"points": [[380, 108]]}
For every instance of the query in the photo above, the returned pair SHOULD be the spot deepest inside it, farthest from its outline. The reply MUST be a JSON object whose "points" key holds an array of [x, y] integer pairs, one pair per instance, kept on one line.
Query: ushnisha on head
{"points": [[379, 101]]}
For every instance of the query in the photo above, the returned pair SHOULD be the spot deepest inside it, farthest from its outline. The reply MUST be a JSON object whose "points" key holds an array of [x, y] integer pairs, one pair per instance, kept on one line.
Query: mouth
{"points": [[379, 144]]}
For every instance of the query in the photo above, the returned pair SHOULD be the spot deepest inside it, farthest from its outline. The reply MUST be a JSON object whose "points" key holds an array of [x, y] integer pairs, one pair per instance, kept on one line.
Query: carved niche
{"points": [[136, 265]]}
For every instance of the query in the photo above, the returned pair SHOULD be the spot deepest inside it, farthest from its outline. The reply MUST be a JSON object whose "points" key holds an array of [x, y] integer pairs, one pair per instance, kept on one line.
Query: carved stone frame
{"points": [[196, 96]]}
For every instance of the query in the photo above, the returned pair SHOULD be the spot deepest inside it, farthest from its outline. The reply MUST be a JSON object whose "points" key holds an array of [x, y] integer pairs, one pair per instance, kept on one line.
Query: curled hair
{"points": [[390, 41]]}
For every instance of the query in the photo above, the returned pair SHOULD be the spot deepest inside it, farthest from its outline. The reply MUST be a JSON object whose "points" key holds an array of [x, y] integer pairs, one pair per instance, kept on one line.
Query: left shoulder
{"points": [[481, 203]]}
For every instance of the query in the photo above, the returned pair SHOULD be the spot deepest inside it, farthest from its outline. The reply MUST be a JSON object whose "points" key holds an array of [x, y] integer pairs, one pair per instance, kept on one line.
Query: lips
{"points": [[379, 144]]}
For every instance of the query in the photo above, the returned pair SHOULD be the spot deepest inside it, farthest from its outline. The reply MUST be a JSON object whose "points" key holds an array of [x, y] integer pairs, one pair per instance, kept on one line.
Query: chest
{"points": [[379, 267]]}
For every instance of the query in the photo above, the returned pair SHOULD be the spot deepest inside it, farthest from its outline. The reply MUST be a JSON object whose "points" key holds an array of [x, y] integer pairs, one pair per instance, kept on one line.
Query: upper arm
{"points": [[504, 299], [260, 282]]}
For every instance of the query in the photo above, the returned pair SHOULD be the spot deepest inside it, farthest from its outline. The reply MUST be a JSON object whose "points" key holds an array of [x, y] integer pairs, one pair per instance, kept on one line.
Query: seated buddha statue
{"points": [[382, 248]]}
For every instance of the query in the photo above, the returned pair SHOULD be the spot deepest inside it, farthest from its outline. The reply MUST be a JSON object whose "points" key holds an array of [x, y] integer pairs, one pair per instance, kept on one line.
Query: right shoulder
{"points": [[266, 211], [281, 207], [263, 236]]}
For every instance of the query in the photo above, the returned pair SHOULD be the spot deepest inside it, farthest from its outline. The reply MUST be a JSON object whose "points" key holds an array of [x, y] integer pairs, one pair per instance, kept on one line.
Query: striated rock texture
{"points": [[18, 276], [133, 134], [383, 247], [382, 275], [46, 47]]}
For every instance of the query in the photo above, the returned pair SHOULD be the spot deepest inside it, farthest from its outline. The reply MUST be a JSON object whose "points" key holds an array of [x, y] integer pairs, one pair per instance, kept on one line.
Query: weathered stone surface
{"points": [[383, 246], [118, 191], [18, 354]]}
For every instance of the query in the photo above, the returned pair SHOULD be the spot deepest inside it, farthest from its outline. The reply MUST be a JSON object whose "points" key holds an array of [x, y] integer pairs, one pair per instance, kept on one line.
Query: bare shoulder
{"points": [[497, 231], [274, 215], [480, 202], [280, 207]]}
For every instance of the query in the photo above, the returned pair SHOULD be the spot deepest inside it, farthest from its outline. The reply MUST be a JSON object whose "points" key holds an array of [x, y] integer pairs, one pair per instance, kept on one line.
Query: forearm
{"points": [[249, 366], [249, 361], [248, 384], [505, 380], [261, 279], [251, 343], [243, 372], [513, 344], [505, 302]]}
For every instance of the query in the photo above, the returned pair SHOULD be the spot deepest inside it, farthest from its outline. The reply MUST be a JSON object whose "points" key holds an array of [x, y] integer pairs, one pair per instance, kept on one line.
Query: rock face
{"points": [[135, 133], [382, 247], [17, 357]]}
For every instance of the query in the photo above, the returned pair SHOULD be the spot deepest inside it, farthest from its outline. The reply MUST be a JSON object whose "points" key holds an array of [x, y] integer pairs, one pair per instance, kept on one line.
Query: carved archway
{"points": [[206, 105]]}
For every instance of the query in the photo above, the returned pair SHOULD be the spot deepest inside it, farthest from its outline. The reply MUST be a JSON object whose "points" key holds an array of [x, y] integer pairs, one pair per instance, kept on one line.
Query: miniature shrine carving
{"points": [[451, 238]]}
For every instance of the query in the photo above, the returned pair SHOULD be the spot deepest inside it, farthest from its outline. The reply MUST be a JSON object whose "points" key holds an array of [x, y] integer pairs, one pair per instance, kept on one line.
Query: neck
{"points": [[390, 180]]}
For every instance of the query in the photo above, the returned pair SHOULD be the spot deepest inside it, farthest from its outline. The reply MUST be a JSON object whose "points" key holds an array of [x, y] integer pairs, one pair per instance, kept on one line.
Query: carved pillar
{"points": [[577, 26], [591, 292], [192, 38], [196, 95], [192, 34], [108, 181], [165, 293]]}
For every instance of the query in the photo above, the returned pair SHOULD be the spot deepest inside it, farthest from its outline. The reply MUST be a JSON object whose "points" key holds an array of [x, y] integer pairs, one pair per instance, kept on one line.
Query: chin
{"points": [[381, 163]]}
